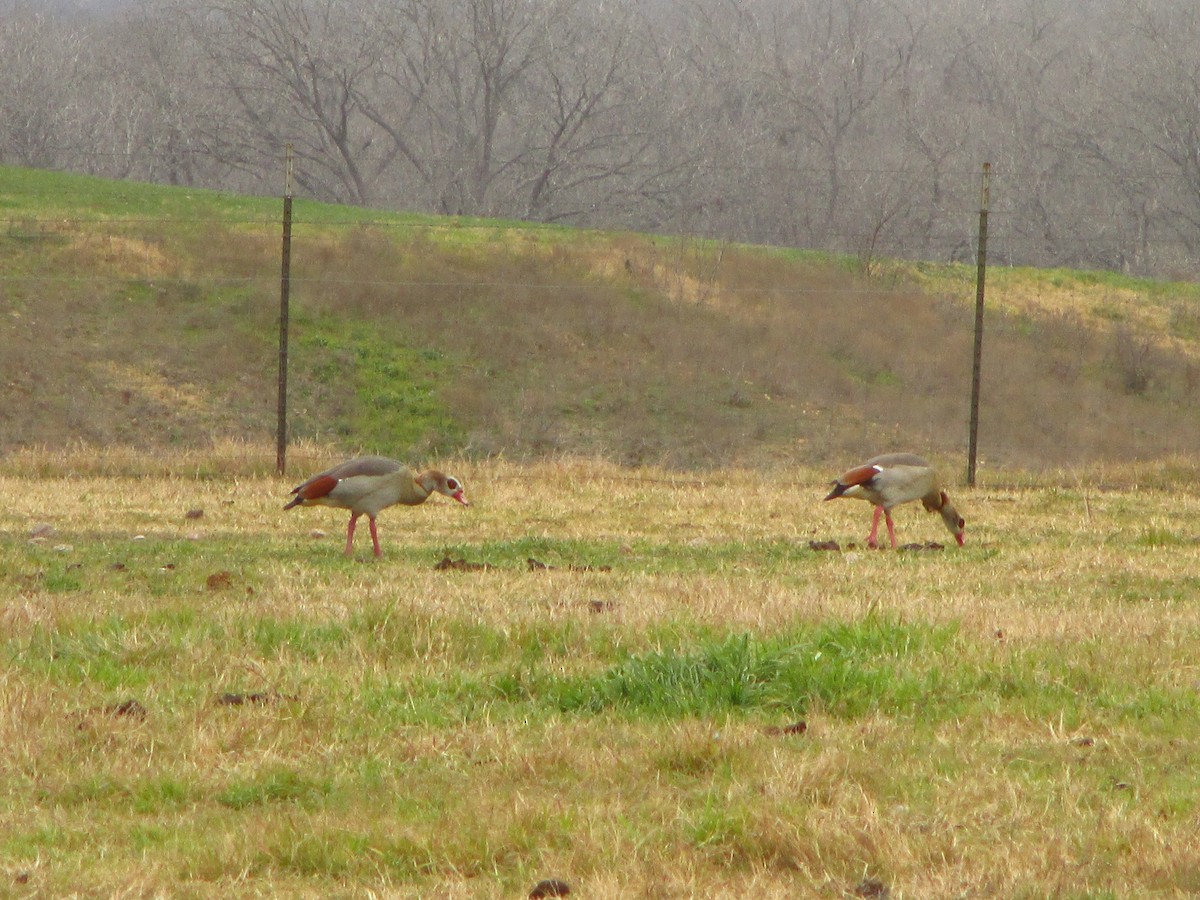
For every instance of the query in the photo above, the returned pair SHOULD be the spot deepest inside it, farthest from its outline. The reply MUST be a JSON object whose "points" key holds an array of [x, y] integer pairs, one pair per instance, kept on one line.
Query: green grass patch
{"points": [[848, 670], [1162, 537], [105, 654], [394, 384], [161, 794], [281, 785]]}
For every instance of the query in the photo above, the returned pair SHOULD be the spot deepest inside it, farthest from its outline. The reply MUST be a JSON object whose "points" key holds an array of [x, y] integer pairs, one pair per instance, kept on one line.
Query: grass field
{"points": [[678, 698]]}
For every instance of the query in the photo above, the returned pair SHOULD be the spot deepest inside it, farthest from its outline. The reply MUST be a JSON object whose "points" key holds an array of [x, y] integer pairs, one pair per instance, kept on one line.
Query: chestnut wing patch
{"points": [[318, 487], [861, 475]]}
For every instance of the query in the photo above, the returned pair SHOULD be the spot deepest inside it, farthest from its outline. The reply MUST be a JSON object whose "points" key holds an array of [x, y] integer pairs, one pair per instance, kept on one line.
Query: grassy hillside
{"points": [[146, 316]]}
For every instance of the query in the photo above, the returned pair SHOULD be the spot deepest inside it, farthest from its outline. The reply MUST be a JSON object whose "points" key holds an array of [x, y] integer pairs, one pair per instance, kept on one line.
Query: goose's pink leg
{"points": [[350, 534], [875, 527], [375, 536]]}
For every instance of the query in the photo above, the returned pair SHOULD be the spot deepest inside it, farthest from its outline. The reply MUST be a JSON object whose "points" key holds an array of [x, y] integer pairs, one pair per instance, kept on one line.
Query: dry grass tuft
{"points": [[105, 252]]}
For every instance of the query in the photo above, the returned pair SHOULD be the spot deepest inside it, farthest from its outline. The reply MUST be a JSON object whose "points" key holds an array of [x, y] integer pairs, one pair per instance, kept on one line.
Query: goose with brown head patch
{"points": [[369, 484], [891, 479]]}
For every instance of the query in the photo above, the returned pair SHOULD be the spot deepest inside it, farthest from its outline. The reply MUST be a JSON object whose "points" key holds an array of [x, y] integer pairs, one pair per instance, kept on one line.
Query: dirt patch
{"points": [[460, 565]]}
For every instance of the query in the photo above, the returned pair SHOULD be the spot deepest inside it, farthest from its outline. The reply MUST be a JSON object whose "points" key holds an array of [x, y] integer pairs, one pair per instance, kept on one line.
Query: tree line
{"points": [[854, 125]]}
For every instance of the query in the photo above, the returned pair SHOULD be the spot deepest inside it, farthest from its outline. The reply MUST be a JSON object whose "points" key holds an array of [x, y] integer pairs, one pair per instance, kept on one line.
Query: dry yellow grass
{"points": [[1063, 765]]}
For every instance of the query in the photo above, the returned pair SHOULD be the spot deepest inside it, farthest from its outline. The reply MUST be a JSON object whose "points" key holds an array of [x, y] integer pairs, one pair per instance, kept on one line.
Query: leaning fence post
{"points": [[284, 290], [977, 363]]}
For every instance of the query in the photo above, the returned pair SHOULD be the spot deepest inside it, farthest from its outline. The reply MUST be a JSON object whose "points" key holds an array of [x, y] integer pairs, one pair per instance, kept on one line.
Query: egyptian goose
{"points": [[892, 479], [370, 484]]}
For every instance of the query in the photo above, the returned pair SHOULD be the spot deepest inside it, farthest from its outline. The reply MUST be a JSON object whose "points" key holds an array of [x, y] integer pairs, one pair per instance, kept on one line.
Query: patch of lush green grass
{"points": [[279, 785], [843, 669], [156, 795], [846, 669], [393, 380]]}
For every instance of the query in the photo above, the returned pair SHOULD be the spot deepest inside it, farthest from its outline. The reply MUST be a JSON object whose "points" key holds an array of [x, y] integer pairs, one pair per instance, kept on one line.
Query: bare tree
{"points": [[460, 66], [1160, 112], [831, 63], [591, 103], [857, 125], [296, 70], [530, 110], [40, 95]]}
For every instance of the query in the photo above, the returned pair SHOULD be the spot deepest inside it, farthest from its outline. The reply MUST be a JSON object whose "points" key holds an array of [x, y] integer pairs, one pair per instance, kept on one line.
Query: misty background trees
{"points": [[854, 125]]}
